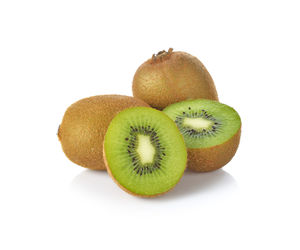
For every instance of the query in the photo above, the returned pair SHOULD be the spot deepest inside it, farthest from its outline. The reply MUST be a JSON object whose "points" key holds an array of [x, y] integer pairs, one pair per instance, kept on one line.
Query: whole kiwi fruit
{"points": [[211, 132], [84, 125], [170, 77]]}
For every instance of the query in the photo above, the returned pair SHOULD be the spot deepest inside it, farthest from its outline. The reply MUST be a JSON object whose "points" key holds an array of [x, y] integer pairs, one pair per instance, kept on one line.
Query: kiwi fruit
{"points": [[170, 77], [84, 125], [144, 151], [211, 131]]}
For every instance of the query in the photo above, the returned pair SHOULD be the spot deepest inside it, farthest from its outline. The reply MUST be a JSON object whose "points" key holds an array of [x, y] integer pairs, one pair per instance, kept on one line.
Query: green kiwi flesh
{"points": [[204, 123], [144, 151]]}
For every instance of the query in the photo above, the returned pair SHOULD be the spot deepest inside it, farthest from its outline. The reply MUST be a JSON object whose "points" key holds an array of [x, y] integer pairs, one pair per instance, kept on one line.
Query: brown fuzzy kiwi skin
{"points": [[213, 158], [84, 125], [128, 191], [171, 77]]}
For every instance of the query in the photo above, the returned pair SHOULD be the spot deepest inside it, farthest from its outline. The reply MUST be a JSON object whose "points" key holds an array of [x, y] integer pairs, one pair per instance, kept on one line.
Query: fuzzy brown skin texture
{"points": [[172, 77], [128, 191], [209, 159], [84, 125]]}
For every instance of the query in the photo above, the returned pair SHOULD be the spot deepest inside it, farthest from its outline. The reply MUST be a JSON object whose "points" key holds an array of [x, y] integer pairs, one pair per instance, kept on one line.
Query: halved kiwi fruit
{"points": [[84, 125], [144, 151], [170, 77], [211, 131]]}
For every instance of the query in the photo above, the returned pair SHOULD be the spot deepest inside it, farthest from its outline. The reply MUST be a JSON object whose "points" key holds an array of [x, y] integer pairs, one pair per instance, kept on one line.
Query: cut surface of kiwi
{"points": [[211, 131], [144, 151]]}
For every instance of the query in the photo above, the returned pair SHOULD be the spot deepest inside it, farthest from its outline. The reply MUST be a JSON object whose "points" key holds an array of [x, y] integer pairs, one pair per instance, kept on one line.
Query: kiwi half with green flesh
{"points": [[84, 125], [144, 151], [170, 77], [211, 131]]}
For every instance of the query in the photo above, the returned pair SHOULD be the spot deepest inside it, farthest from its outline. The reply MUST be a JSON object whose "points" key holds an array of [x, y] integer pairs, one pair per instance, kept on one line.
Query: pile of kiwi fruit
{"points": [[173, 121]]}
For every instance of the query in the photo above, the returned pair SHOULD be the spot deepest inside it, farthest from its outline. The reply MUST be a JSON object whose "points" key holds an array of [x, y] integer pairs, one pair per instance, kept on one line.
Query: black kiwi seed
{"points": [[195, 114], [138, 167]]}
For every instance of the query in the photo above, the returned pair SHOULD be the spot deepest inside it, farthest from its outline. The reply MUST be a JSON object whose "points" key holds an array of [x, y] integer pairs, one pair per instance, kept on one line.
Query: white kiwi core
{"points": [[145, 149], [197, 123]]}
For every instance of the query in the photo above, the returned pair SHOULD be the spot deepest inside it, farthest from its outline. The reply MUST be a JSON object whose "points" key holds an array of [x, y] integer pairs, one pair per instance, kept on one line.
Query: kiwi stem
{"points": [[161, 55]]}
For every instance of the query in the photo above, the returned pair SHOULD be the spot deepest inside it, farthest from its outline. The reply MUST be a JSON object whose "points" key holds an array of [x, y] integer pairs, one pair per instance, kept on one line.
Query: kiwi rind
{"points": [[115, 168], [170, 77], [84, 125], [213, 158], [204, 159]]}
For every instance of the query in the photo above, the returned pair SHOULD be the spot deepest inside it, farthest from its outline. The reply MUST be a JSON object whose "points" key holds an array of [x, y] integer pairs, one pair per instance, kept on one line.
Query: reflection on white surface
{"points": [[100, 184], [93, 182], [194, 183]]}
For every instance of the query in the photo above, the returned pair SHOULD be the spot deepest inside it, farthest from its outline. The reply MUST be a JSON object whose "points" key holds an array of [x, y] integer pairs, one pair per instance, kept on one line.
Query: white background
{"points": [[53, 53]]}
